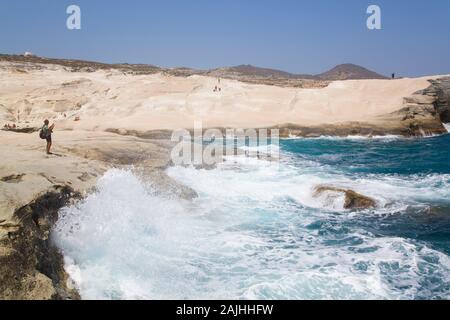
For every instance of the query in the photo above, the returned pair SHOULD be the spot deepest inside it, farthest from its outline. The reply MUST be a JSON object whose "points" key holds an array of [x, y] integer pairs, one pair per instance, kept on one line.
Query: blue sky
{"points": [[302, 36]]}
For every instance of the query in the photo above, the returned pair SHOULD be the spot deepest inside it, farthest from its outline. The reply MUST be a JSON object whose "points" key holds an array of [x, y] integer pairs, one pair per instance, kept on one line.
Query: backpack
{"points": [[42, 134]]}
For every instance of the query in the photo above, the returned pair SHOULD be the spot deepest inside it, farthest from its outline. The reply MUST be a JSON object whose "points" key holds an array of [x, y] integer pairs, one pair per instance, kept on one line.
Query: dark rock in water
{"points": [[353, 200]]}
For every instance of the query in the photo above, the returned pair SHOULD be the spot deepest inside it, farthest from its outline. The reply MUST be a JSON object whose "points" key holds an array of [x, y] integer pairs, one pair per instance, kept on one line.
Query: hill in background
{"points": [[244, 73], [341, 72], [349, 72]]}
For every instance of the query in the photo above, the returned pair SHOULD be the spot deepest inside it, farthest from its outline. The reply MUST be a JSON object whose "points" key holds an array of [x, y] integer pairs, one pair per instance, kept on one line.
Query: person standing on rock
{"points": [[46, 133]]}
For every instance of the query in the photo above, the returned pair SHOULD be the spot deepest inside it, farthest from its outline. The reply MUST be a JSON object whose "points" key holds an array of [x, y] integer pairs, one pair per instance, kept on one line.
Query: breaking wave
{"points": [[256, 230]]}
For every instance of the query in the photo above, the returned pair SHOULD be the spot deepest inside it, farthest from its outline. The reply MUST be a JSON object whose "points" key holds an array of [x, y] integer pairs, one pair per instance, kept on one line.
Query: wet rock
{"points": [[353, 200]]}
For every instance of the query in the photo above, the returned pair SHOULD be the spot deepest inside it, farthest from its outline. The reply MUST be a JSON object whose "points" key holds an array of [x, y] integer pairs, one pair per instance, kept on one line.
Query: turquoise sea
{"points": [[257, 231]]}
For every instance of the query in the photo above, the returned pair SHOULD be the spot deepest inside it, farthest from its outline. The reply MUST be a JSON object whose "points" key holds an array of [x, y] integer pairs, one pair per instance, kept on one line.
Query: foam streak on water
{"points": [[255, 232]]}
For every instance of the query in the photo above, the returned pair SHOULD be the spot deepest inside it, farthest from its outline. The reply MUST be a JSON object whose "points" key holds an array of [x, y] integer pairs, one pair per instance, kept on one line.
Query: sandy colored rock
{"points": [[109, 99], [353, 200]]}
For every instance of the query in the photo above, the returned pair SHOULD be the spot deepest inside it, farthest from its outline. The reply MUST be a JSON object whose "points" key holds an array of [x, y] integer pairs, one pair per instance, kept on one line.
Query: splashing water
{"points": [[447, 126], [257, 232]]}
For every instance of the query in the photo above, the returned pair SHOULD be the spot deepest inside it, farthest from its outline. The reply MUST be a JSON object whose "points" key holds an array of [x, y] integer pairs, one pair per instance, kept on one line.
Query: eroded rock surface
{"points": [[32, 267], [438, 95], [353, 200], [424, 112]]}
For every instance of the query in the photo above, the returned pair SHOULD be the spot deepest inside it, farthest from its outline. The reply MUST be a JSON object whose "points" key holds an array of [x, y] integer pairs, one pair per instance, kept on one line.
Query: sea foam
{"points": [[255, 232]]}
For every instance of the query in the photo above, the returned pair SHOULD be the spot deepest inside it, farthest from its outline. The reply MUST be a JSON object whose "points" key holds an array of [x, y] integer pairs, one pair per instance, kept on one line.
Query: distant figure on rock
{"points": [[393, 76], [46, 134]]}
